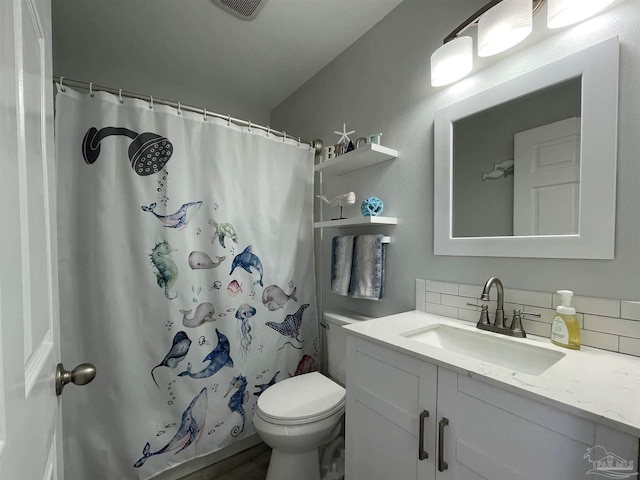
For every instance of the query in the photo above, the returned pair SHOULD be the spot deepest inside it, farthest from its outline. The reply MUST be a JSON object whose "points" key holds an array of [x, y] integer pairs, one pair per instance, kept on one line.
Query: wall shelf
{"points": [[357, 222], [362, 157]]}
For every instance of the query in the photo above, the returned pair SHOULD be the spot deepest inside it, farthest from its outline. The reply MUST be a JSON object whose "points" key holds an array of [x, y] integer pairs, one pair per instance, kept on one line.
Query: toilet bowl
{"points": [[298, 415], [295, 417]]}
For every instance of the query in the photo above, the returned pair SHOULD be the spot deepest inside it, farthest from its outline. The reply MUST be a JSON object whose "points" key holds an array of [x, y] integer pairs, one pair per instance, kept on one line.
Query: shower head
{"points": [[148, 152]]}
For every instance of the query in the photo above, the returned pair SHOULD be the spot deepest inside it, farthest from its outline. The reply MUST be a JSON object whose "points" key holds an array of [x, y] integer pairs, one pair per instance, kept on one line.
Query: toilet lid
{"points": [[311, 395]]}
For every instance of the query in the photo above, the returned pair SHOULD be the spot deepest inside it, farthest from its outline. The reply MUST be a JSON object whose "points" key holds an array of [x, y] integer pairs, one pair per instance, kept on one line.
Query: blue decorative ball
{"points": [[371, 207]]}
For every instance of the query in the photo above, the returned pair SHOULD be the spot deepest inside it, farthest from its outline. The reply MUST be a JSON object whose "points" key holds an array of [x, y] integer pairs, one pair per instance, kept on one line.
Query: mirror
{"points": [[528, 168]]}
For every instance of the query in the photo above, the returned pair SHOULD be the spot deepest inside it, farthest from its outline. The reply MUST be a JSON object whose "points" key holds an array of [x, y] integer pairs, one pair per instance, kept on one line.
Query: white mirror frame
{"points": [[598, 66]]}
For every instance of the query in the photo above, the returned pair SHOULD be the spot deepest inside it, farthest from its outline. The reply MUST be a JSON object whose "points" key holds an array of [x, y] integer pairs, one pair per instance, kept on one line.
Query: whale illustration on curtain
{"points": [[170, 283]]}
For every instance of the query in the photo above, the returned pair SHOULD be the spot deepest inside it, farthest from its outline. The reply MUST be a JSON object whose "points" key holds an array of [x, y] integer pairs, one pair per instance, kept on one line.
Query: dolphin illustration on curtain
{"points": [[170, 283]]}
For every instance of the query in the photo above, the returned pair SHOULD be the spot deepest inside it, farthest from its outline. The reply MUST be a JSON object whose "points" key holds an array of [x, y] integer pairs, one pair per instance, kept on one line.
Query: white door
{"points": [[546, 186], [30, 434]]}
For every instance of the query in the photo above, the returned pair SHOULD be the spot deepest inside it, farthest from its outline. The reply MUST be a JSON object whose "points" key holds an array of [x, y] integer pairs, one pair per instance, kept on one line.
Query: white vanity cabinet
{"points": [[485, 432]]}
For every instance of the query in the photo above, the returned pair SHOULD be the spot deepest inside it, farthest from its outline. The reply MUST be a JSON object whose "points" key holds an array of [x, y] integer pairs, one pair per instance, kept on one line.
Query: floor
{"points": [[248, 465]]}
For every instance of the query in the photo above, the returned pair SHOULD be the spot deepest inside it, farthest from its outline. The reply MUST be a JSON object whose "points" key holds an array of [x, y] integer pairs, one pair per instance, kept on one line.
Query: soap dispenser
{"points": [[565, 329]]}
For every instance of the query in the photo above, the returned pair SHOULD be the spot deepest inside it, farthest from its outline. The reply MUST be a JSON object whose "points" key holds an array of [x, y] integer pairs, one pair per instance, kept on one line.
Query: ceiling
{"points": [[193, 42]]}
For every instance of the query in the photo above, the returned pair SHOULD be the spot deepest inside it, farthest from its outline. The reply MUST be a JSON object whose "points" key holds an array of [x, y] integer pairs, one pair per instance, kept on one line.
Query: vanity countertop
{"points": [[595, 384]]}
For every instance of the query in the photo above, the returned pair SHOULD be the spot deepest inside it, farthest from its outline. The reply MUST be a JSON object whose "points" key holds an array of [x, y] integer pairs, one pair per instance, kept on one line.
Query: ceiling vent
{"points": [[243, 9]]}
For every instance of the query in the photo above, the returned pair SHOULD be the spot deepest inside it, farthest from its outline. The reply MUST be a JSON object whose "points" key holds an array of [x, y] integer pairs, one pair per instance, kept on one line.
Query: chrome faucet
{"points": [[485, 297], [515, 330]]}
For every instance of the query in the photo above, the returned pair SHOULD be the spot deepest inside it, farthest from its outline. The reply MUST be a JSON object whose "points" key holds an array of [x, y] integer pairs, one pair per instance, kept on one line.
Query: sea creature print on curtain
{"points": [[222, 230], [306, 364], [204, 336], [263, 386], [218, 358], [178, 220], [244, 314], [189, 431], [234, 288], [148, 152], [246, 260], [274, 298], [166, 269], [237, 401], [290, 326], [204, 313], [202, 261], [179, 349]]}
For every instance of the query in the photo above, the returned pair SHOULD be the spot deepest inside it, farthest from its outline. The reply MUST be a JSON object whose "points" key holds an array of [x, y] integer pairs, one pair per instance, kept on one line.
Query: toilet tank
{"points": [[337, 341]]}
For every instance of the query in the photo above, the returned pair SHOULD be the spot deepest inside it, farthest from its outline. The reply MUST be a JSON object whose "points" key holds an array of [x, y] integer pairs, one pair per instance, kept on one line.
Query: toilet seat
{"points": [[300, 400]]}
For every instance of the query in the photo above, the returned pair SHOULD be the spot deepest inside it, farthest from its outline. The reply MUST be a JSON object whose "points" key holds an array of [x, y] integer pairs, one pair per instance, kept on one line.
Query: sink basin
{"points": [[504, 352]]}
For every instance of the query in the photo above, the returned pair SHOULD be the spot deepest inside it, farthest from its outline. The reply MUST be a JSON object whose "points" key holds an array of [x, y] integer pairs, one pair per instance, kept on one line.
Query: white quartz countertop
{"points": [[595, 384]]}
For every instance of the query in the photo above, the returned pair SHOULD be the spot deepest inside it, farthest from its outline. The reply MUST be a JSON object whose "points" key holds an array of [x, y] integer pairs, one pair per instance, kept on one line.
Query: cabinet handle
{"points": [[442, 465], [422, 453]]}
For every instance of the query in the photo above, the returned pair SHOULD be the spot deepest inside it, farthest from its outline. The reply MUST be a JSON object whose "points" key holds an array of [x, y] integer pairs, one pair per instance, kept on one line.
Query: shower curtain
{"points": [[186, 277]]}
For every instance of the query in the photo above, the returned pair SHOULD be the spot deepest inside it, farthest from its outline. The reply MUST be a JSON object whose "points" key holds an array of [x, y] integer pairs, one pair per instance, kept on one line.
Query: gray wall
{"points": [[74, 57], [382, 84]]}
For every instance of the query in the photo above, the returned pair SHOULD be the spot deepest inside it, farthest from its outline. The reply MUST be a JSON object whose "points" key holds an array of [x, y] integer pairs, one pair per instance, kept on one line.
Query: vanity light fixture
{"points": [[561, 13], [502, 24]]}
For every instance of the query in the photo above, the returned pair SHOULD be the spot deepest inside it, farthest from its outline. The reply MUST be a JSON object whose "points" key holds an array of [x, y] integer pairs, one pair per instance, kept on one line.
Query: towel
{"points": [[341, 259], [367, 271]]}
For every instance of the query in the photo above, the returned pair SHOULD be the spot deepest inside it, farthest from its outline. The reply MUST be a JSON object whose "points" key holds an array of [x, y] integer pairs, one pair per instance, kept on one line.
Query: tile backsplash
{"points": [[605, 323]]}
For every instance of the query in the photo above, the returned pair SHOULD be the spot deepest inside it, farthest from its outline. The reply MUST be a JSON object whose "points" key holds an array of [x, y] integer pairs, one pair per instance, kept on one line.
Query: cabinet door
{"points": [[386, 393], [498, 435]]}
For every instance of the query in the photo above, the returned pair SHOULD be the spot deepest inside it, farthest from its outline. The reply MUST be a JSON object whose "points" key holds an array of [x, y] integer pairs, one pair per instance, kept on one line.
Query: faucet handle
{"points": [[484, 316], [516, 325]]}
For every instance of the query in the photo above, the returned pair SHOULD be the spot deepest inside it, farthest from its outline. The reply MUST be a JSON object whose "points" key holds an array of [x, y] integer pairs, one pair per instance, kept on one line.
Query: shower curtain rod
{"points": [[94, 87]]}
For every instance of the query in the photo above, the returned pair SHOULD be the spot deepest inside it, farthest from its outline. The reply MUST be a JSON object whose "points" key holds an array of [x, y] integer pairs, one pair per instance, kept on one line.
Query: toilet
{"points": [[298, 415]]}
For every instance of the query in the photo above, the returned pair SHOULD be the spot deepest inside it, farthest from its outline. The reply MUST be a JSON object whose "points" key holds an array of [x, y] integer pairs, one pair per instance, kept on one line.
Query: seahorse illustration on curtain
{"points": [[190, 430], [166, 269], [217, 359], [238, 400]]}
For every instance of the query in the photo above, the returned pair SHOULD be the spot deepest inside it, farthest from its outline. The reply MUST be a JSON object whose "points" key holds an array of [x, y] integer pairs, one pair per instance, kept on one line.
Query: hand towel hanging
{"points": [[341, 261], [367, 271]]}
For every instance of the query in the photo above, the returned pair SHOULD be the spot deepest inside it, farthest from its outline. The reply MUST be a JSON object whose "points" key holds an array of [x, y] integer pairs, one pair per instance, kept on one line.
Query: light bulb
{"points": [[503, 26], [452, 61]]}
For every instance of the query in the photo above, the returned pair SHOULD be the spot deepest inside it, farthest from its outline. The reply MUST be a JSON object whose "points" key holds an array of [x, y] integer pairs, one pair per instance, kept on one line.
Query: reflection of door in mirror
{"points": [[484, 139], [546, 185]]}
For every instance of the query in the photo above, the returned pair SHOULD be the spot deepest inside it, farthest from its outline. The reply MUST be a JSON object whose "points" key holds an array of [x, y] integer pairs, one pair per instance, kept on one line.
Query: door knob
{"points": [[81, 375]]}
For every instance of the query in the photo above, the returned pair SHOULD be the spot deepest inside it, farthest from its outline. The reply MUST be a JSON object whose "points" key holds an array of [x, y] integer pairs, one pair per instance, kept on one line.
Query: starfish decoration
{"points": [[344, 134]]}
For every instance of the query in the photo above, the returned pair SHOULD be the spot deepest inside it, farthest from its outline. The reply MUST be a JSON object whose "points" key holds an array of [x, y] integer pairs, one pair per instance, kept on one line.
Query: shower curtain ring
{"points": [[179, 109], [249, 125], [205, 114], [284, 136], [62, 87], [268, 130], [228, 120], [91, 89], [298, 141], [120, 96], [151, 104]]}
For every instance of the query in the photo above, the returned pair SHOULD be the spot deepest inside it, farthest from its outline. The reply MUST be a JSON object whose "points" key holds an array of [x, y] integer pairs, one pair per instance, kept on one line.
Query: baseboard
{"points": [[207, 460]]}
